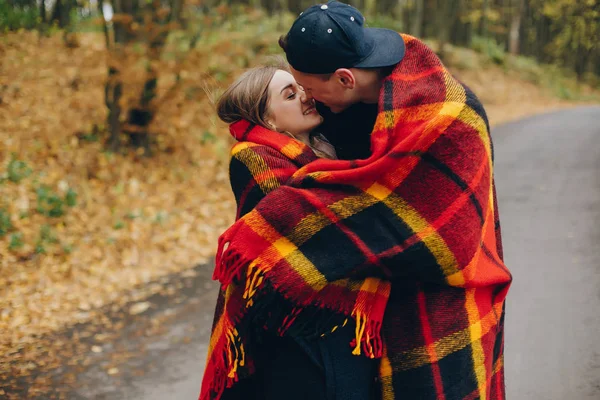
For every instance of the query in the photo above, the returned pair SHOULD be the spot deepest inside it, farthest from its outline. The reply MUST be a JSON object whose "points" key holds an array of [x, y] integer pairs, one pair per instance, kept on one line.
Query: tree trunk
{"points": [[581, 62], [155, 21], [62, 13], [416, 26], [141, 115], [460, 31], [389, 7], [113, 89], [355, 3], [56, 11], [112, 94], [369, 8], [483, 21], [104, 25], [176, 9], [543, 39], [526, 25], [296, 6], [43, 11], [121, 29], [515, 28], [447, 11]]}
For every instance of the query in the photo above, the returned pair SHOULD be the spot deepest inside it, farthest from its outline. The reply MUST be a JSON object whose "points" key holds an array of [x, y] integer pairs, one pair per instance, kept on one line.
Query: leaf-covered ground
{"points": [[134, 218], [81, 227]]}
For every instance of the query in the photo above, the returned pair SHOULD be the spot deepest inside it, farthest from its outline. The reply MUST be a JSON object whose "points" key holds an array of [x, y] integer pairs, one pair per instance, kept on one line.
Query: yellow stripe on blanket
{"points": [[430, 237]]}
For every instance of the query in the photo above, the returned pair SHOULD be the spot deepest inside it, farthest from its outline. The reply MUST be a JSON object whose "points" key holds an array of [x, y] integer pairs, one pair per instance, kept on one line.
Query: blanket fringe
{"points": [[368, 314], [229, 265], [224, 365], [277, 313], [254, 279], [367, 337], [314, 323]]}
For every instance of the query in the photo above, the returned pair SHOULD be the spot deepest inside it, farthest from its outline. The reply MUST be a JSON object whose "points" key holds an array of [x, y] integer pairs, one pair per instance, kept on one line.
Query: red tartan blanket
{"points": [[420, 212], [260, 163]]}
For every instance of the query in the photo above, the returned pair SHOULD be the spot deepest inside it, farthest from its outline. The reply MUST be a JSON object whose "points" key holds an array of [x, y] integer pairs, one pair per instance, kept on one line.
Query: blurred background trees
{"points": [[136, 31], [143, 36], [552, 31]]}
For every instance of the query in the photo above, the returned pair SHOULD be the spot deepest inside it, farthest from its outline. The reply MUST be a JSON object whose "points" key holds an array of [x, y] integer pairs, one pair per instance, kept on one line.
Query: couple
{"points": [[365, 261]]}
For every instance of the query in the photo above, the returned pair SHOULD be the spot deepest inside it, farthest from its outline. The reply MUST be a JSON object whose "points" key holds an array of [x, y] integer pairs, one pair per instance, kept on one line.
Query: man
{"points": [[343, 65]]}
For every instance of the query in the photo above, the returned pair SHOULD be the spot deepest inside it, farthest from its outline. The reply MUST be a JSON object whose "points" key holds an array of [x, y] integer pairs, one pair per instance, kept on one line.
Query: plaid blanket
{"points": [[420, 212], [261, 162]]}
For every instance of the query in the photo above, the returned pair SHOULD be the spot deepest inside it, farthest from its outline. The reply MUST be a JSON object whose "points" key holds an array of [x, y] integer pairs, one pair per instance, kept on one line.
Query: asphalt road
{"points": [[548, 181]]}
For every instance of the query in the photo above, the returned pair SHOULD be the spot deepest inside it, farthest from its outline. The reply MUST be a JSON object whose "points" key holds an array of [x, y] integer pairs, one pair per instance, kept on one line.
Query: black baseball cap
{"points": [[329, 36]]}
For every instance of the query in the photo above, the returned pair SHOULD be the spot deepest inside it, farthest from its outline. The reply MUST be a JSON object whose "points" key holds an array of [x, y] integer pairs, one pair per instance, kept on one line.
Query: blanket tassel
{"points": [[367, 337], [225, 365]]}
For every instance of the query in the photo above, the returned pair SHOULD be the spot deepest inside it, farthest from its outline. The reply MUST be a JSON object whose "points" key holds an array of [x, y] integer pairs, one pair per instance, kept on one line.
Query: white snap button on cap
{"points": [[329, 30], [303, 29], [324, 7]]}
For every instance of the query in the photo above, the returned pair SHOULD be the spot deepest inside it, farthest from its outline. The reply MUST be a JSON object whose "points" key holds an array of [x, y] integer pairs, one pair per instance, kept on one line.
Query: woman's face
{"points": [[289, 110]]}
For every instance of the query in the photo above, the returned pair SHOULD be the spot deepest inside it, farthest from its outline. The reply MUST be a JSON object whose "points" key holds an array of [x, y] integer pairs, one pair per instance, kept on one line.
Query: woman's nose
{"points": [[305, 97]]}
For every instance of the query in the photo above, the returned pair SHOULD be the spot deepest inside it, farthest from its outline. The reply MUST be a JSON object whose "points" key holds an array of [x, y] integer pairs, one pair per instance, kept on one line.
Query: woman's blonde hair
{"points": [[248, 97]]}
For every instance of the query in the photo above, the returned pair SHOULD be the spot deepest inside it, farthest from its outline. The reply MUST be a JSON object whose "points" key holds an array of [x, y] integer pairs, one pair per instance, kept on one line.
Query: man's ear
{"points": [[346, 78]]}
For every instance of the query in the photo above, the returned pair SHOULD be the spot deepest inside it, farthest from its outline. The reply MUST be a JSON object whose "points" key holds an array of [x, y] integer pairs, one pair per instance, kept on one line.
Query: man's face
{"points": [[333, 93]]}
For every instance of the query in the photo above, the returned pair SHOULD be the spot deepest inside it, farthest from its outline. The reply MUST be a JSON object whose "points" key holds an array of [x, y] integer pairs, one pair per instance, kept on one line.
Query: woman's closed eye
{"points": [[292, 96]]}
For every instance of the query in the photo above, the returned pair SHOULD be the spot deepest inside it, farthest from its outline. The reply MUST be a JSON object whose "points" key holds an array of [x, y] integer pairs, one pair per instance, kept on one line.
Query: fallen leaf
{"points": [[139, 308], [190, 273]]}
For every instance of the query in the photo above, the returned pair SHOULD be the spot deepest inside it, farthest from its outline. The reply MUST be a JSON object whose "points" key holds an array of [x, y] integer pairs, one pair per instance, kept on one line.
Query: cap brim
{"points": [[388, 48]]}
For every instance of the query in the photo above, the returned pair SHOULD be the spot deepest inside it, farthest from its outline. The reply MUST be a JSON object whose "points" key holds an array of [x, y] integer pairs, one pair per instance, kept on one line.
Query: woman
{"points": [[276, 126], [270, 97]]}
